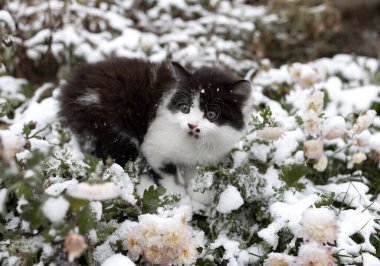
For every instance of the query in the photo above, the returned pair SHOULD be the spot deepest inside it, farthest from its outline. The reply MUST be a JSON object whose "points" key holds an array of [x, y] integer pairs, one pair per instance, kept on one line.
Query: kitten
{"points": [[169, 115]]}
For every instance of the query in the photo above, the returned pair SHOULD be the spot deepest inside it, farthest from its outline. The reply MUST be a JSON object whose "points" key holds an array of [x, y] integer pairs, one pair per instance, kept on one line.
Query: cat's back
{"points": [[117, 94], [110, 78]]}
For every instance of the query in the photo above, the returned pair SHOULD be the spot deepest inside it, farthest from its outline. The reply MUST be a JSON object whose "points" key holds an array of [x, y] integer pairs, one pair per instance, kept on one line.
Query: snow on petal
{"points": [[313, 149], [364, 121], [87, 191], [319, 225]]}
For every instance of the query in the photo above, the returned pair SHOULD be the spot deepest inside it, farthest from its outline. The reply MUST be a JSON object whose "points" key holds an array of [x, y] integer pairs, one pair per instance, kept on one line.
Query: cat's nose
{"points": [[191, 126]]}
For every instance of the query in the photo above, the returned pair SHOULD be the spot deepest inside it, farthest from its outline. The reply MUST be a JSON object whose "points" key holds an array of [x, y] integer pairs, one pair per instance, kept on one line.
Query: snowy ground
{"points": [[302, 187]]}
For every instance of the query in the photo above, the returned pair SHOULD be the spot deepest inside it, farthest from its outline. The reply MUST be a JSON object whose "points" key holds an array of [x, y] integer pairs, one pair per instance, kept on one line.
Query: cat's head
{"points": [[209, 103]]}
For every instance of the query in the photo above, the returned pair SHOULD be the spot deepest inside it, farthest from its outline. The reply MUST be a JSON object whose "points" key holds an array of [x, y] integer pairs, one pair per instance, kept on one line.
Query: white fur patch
{"points": [[89, 97], [168, 139]]}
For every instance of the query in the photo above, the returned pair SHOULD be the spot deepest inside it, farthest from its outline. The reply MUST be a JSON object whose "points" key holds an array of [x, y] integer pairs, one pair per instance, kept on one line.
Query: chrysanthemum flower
{"points": [[304, 75], [312, 254], [319, 225], [279, 259], [356, 158], [315, 102], [333, 128], [270, 133], [321, 164], [133, 246], [163, 240], [364, 121], [312, 123], [313, 149]]}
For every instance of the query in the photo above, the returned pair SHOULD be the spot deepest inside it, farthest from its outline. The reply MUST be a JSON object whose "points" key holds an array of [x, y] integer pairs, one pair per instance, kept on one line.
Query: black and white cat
{"points": [[173, 117]]}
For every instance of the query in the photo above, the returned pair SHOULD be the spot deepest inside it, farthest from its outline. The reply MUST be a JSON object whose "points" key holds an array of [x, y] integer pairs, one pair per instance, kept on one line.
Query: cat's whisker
{"points": [[203, 150]]}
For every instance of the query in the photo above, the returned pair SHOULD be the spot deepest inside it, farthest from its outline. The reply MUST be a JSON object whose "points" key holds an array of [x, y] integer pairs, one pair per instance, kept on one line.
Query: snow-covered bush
{"points": [[301, 187]]}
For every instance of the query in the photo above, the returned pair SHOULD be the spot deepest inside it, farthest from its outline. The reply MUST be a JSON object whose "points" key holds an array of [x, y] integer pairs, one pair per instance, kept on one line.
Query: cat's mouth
{"points": [[193, 134]]}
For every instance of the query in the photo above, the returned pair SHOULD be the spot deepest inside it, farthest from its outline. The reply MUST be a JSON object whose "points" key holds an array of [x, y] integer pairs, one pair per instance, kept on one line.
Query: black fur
{"points": [[130, 90]]}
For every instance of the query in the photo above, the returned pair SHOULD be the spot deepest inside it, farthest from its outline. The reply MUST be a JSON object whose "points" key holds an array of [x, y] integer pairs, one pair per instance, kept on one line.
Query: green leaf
{"points": [[291, 174], [86, 220], [299, 120], [5, 108], [326, 200], [92, 162], [204, 262], [151, 199]]}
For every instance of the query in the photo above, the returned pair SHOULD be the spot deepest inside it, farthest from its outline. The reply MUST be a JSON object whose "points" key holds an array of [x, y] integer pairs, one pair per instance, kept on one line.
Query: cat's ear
{"points": [[242, 88], [180, 72]]}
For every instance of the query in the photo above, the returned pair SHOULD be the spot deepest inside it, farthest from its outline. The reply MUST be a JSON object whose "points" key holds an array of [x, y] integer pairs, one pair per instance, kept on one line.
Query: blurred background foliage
{"points": [[289, 31]]}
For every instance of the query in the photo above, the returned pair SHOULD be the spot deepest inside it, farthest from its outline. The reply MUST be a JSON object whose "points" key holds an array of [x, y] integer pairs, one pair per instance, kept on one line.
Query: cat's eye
{"points": [[184, 108], [211, 115]]}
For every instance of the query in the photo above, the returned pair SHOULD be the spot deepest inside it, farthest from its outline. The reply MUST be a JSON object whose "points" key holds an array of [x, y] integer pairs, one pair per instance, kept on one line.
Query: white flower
{"points": [[163, 240], [153, 254], [304, 75], [357, 158], [311, 122], [279, 259], [313, 254], [74, 245], [270, 133], [362, 139], [374, 144], [321, 164], [101, 191], [364, 121], [334, 127], [187, 255], [296, 71], [319, 225], [315, 102], [313, 149]]}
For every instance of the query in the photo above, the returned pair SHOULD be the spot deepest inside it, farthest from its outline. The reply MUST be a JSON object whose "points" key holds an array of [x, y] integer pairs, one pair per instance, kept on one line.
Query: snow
{"points": [[56, 189], [121, 179], [229, 200], [351, 222], [10, 87], [3, 198], [286, 145], [55, 209], [92, 236], [96, 207], [370, 260], [286, 214], [7, 19], [233, 254], [351, 193], [12, 221], [21, 202], [118, 260]]}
